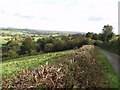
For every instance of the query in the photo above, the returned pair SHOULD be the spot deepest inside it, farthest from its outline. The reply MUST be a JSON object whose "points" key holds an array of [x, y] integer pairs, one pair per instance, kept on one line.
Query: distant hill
{"points": [[39, 32]]}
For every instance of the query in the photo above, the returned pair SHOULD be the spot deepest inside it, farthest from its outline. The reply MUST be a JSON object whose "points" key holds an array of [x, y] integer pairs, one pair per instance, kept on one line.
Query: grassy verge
{"points": [[13, 66], [110, 72]]}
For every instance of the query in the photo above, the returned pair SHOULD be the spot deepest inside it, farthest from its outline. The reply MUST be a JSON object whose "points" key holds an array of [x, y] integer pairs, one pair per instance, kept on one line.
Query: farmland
{"points": [[8, 34], [53, 53], [29, 62]]}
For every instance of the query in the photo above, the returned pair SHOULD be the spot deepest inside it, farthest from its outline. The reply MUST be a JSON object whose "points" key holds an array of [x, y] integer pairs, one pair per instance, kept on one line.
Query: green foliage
{"points": [[28, 46], [98, 42], [86, 41], [57, 45], [112, 45], [12, 53], [9, 54], [89, 35], [49, 47], [41, 44], [107, 32], [95, 36], [3, 41]]}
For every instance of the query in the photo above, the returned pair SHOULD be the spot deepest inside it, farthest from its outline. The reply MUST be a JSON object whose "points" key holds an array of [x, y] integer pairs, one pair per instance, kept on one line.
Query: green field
{"points": [[10, 32], [3, 41], [36, 38], [44, 36], [30, 62]]}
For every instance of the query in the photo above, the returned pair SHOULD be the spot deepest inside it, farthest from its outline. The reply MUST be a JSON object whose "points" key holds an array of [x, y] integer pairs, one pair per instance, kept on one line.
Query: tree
{"points": [[107, 32], [57, 45], [64, 37], [49, 47], [95, 36], [71, 44], [89, 35], [28, 46], [101, 36], [41, 44]]}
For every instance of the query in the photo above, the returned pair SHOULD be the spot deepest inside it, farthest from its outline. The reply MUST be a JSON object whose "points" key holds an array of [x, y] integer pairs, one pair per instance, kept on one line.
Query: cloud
{"points": [[23, 16], [59, 14], [27, 17], [2, 11], [47, 1], [94, 18]]}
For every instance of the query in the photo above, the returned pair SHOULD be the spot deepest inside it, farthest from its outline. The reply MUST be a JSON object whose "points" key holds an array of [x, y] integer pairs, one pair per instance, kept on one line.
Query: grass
{"points": [[36, 38], [14, 66], [11, 32], [3, 41], [110, 72]]}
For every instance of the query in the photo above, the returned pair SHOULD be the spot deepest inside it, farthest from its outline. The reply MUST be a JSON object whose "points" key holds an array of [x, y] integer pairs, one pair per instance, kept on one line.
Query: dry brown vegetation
{"points": [[80, 69]]}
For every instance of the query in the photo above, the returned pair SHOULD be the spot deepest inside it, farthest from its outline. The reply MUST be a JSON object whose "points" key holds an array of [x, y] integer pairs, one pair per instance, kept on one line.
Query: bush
{"points": [[9, 54], [27, 46], [86, 41], [98, 42], [49, 47]]}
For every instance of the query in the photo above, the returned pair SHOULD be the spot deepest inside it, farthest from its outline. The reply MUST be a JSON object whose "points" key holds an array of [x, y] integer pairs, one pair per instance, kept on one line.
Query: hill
{"points": [[35, 31]]}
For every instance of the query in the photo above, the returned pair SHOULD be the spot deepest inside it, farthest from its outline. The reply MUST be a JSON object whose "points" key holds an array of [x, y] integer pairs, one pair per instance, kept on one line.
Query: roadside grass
{"points": [[14, 66], [111, 75]]}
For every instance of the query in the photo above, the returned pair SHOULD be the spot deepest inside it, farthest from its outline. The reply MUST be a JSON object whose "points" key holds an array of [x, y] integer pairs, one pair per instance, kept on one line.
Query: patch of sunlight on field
{"points": [[3, 41], [11, 32]]}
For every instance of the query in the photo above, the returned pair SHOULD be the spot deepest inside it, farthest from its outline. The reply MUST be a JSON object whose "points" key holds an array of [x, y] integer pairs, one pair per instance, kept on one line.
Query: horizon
{"points": [[60, 15], [41, 30]]}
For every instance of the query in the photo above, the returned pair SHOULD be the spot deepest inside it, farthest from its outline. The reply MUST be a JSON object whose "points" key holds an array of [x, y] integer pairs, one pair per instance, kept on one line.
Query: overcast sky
{"points": [[66, 15]]}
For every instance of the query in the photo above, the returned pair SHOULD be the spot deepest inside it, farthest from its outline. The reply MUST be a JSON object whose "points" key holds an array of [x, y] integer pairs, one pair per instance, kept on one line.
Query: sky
{"points": [[64, 15]]}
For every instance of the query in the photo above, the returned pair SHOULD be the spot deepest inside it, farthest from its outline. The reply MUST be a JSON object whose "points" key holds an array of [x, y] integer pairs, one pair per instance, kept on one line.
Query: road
{"points": [[113, 59]]}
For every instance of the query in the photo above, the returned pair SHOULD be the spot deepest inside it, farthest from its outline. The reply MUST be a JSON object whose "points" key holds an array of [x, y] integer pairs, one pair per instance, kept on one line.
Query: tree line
{"points": [[28, 46], [107, 39]]}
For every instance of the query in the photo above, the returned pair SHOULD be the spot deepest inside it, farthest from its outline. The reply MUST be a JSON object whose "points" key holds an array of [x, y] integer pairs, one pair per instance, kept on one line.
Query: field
{"points": [[2, 41], [10, 32], [16, 65], [7, 35]]}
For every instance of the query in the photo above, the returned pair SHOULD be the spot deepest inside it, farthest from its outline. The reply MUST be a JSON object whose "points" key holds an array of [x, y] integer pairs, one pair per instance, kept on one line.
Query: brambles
{"points": [[49, 75]]}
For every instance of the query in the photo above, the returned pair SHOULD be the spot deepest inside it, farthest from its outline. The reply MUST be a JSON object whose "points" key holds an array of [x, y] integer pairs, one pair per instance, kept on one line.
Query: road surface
{"points": [[113, 59]]}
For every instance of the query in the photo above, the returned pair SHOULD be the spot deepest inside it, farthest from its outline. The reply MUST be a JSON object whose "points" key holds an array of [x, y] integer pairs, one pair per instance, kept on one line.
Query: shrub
{"points": [[98, 42], [49, 47], [86, 41], [11, 54], [27, 46]]}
